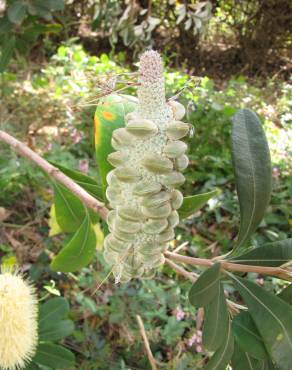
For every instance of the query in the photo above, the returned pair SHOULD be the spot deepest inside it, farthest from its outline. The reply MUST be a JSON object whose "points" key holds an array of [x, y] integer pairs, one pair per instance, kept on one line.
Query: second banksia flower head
{"points": [[18, 321], [148, 161]]}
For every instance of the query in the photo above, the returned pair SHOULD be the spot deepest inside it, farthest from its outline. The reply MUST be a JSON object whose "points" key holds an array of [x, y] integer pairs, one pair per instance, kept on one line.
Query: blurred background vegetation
{"points": [[56, 57]]}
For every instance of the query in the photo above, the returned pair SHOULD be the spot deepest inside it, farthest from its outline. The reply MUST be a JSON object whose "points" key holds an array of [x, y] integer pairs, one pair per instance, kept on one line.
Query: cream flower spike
{"points": [[141, 190], [18, 321]]}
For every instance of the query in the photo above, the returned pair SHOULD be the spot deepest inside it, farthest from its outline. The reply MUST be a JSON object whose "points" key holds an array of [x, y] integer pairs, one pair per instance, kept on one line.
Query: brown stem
{"points": [[54, 172], [264, 270], [146, 343]]}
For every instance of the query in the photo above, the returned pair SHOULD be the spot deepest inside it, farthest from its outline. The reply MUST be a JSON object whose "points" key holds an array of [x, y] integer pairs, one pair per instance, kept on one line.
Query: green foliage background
{"points": [[48, 104]]}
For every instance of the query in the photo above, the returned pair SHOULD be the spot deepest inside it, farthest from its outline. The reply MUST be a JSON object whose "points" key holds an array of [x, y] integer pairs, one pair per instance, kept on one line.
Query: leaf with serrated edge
{"points": [[79, 251], [271, 254], [252, 167], [273, 319], [206, 287], [193, 203], [248, 337], [216, 321], [222, 356]]}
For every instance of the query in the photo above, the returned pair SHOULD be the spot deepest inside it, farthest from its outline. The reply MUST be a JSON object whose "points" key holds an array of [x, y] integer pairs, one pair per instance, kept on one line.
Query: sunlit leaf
{"points": [[205, 289], [252, 167], [109, 115], [70, 212], [79, 251], [193, 203]]}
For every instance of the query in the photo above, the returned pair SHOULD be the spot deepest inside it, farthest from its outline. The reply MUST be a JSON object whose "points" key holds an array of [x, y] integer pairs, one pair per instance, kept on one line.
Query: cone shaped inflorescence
{"points": [[148, 161]]}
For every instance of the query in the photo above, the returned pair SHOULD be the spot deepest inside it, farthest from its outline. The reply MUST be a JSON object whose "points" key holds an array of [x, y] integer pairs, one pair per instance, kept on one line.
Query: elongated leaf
{"points": [[286, 294], [86, 182], [221, 358], [216, 321], [109, 115], [80, 250], [57, 331], [193, 203], [243, 361], [205, 289], [252, 167], [6, 53], [271, 254], [54, 356], [248, 337], [53, 311], [273, 319], [69, 210]]}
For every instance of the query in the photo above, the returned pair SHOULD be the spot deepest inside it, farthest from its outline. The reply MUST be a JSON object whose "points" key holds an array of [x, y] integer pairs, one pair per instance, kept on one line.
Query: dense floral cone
{"points": [[18, 322], [141, 190]]}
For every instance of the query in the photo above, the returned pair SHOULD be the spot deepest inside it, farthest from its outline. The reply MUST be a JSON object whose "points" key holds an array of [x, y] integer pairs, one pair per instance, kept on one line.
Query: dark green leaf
{"points": [[56, 331], [32, 366], [273, 319], [80, 250], [252, 167], [17, 12], [70, 211], [221, 358], [193, 203], [248, 337], [86, 182], [109, 115], [5, 25], [53, 311], [243, 361], [6, 53], [286, 294], [271, 254], [205, 289], [216, 321], [54, 356]]}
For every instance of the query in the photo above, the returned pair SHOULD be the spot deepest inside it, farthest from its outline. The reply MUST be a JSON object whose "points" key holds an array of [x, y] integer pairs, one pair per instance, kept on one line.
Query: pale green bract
{"points": [[141, 189]]}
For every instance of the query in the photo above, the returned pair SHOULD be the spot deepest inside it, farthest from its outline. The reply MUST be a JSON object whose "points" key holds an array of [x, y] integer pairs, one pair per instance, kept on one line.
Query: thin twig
{"points": [[264, 270], [192, 276], [181, 271], [146, 343], [54, 172]]}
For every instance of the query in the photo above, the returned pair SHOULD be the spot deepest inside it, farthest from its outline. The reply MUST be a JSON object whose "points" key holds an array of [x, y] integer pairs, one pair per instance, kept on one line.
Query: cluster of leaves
{"points": [[22, 23], [53, 326]]}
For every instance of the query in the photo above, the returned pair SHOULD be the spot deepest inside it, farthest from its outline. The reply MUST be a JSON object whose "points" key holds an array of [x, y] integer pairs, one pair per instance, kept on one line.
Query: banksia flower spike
{"points": [[148, 161], [18, 321]]}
